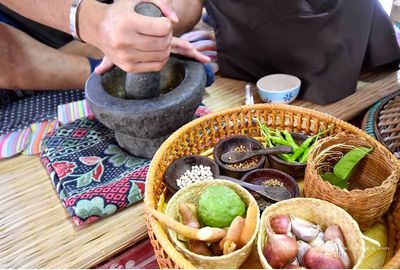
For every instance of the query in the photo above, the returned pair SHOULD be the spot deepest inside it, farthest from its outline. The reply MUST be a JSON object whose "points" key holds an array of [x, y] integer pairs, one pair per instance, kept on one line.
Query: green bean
{"points": [[348, 162], [290, 140]]}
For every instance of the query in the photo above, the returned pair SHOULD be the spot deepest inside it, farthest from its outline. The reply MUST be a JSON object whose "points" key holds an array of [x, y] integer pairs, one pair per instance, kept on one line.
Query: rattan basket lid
{"points": [[387, 123]]}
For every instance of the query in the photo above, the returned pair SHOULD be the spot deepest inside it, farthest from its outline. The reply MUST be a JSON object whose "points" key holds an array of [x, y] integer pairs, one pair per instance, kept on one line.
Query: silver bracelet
{"points": [[73, 20]]}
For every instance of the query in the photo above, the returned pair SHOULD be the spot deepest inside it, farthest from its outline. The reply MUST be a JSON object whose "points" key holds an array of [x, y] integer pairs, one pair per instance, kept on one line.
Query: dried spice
{"points": [[246, 164], [273, 183]]}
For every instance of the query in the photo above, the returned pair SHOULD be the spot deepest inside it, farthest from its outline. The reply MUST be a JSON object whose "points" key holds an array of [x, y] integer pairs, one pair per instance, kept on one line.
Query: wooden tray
{"points": [[203, 133]]}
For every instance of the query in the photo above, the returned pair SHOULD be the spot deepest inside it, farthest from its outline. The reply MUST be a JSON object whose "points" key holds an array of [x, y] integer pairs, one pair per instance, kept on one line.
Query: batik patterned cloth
{"points": [[92, 175]]}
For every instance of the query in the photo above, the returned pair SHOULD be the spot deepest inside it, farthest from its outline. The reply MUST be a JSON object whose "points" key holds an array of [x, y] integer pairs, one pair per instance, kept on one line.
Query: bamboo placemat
{"points": [[35, 230]]}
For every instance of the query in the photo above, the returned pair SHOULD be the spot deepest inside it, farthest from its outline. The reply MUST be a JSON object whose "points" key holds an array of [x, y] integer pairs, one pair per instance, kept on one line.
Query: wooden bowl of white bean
{"points": [[188, 170]]}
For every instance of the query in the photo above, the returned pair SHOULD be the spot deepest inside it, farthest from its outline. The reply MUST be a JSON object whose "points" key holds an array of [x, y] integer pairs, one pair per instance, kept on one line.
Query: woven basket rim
{"points": [[149, 201], [383, 103], [387, 183], [250, 197], [298, 201]]}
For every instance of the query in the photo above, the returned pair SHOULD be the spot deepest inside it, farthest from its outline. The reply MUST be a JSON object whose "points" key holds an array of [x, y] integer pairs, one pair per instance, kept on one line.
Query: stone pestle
{"points": [[144, 85]]}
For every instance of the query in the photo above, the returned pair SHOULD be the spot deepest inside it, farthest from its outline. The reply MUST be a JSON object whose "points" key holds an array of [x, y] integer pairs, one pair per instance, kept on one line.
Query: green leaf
{"points": [[84, 179], [118, 160], [113, 149], [345, 166], [134, 194], [93, 207], [335, 180]]}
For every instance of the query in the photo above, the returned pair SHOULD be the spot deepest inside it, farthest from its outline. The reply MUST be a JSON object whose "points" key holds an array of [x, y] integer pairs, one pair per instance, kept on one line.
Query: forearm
{"points": [[56, 14], [189, 13]]}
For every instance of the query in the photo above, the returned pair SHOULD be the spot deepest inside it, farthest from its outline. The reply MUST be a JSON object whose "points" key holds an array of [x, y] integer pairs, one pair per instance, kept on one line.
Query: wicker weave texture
{"points": [[387, 123], [191, 194], [203, 133], [372, 185], [318, 212]]}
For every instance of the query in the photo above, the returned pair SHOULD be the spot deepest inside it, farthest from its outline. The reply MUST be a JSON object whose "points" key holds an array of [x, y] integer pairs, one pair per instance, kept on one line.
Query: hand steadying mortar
{"points": [[147, 84]]}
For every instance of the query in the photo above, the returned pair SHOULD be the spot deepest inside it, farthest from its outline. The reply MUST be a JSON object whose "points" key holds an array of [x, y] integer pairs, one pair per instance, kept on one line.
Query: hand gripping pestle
{"points": [[144, 85]]}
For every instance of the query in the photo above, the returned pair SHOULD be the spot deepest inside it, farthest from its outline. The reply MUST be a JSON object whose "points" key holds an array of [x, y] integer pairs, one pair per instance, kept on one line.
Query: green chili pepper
{"points": [[280, 141], [265, 132], [304, 157], [334, 180], [290, 140], [285, 157], [348, 162], [303, 147]]}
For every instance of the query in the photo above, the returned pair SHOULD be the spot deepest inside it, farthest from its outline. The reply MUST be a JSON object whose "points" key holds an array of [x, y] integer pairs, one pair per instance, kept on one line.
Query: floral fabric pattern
{"points": [[93, 176]]}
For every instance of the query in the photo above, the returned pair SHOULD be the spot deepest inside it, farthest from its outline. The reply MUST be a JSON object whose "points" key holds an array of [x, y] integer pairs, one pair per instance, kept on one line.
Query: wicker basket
{"points": [[190, 194], [318, 212], [387, 123], [372, 186], [203, 133]]}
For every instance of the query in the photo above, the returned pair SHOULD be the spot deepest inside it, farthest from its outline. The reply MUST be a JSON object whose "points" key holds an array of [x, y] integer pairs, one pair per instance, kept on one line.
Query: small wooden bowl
{"points": [[293, 169], [227, 145], [180, 166], [257, 177]]}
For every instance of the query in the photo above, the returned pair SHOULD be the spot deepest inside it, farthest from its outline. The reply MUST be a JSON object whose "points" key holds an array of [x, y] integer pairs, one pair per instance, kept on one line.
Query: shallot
{"points": [[333, 232], [280, 224], [304, 229], [280, 249], [320, 258]]}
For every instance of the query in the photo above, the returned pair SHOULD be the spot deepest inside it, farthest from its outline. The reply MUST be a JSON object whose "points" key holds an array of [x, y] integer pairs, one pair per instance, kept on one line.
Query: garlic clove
{"points": [[304, 229], [344, 256], [303, 247], [339, 250], [318, 241]]}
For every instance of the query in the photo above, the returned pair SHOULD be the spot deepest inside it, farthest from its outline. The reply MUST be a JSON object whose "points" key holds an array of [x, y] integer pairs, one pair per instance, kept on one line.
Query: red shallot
{"points": [[280, 224], [320, 258], [333, 232], [279, 249]]}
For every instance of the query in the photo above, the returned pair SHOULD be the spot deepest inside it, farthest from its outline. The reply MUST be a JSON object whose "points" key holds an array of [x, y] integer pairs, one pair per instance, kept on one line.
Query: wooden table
{"points": [[36, 231]]}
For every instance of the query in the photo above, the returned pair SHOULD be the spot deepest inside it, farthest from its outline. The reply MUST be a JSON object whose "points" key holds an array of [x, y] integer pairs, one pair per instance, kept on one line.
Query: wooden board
{"points": [[36, 231]]}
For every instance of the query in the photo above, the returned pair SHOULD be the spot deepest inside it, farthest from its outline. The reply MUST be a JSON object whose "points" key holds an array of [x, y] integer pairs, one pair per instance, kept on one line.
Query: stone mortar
{"points": [[142, 125]]}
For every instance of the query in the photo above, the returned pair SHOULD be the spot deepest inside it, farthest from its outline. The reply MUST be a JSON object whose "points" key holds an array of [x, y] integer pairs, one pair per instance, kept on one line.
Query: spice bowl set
{"points": [[266, 185], [206, 221]]}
